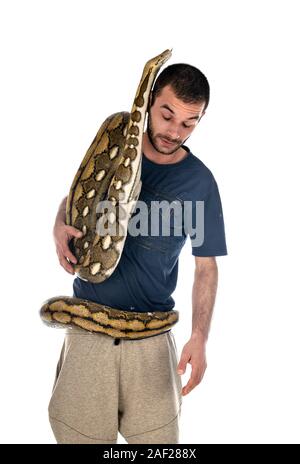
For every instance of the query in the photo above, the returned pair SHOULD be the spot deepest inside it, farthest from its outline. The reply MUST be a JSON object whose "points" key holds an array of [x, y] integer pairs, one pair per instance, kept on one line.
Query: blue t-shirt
{"points": [[146, 274]]}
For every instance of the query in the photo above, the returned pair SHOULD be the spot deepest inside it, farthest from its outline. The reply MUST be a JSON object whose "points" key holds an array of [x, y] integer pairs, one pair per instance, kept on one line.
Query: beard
{"points": [[153, 138]]}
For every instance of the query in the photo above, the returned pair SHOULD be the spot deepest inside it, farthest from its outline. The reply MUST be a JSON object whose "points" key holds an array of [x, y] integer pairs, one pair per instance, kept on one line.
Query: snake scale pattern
{"points": [[109, 172]]}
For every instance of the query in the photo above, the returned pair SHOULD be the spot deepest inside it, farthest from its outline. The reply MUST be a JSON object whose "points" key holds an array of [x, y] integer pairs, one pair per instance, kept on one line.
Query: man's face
{"points": [[171, 120]]}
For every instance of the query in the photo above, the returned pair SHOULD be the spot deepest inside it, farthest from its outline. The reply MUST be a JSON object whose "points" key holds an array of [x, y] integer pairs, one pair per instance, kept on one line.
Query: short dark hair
{"points": [[188, 83]]}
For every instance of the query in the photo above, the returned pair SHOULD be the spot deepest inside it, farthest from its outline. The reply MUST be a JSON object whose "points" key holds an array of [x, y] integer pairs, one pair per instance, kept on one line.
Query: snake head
{"points": [[160, 59]]}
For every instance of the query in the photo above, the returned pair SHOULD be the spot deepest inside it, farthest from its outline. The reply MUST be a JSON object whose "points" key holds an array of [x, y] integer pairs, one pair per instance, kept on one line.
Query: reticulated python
{"points": [[110, 171]]}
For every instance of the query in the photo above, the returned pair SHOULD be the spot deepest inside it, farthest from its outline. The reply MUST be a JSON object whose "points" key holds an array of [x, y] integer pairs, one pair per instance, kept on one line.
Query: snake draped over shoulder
{"points": [[100, 203]]}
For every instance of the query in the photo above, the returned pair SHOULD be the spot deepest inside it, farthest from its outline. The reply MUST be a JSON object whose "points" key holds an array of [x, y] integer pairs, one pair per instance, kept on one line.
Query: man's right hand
{"points": [[62, 234]]}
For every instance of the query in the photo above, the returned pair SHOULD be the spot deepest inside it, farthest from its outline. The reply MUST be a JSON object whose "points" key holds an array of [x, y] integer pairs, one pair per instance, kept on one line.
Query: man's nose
{"points": [[173, 134]]}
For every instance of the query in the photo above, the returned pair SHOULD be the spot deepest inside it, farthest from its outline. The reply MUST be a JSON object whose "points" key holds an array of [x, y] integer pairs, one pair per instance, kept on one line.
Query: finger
{"points": [[62, 252], [68, 254], [66, 265], [188, 387], [182, 364], [73, 231], [194, 380]]}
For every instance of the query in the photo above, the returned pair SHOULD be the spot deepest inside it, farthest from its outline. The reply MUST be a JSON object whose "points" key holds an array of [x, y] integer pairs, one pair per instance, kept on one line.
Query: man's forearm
{"points": [[203, 300], [61, 213]]}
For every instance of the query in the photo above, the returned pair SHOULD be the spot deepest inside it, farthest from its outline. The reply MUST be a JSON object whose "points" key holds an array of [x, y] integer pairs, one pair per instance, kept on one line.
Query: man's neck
{"points": [[153, 155]]}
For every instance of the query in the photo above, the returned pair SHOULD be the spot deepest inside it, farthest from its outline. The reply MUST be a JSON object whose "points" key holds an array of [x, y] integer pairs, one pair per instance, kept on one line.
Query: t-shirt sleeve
{"points": [[212, 230]]}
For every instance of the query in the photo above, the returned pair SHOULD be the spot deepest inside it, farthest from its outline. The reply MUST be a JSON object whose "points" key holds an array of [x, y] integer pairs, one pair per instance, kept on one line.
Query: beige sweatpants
{"points": [[105, 385]]}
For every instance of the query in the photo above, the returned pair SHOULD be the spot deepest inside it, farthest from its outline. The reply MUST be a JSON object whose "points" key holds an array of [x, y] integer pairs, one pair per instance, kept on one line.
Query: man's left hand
{"points": [[193, 353]]}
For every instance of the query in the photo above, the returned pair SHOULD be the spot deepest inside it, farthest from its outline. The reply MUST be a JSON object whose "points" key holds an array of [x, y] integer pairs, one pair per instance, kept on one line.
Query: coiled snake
{"points": [[109, 174]]}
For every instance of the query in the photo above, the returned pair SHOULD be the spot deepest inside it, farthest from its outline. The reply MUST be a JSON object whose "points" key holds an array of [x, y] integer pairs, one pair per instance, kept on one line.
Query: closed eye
{"points": [[184, 125]]}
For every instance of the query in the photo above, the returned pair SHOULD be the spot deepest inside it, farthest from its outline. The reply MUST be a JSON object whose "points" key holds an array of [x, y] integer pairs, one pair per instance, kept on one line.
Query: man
{"points": [[135, 386]]}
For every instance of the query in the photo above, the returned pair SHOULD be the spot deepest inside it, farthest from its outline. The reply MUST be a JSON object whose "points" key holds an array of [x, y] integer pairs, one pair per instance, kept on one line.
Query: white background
{"points": [[67, 65]]}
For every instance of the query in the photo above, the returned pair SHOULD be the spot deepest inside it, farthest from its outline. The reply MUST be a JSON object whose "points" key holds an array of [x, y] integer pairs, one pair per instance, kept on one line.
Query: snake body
{"points": [[109, 172], [62, 311]]}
